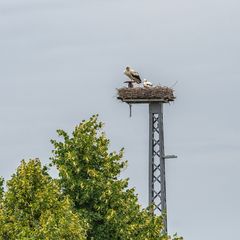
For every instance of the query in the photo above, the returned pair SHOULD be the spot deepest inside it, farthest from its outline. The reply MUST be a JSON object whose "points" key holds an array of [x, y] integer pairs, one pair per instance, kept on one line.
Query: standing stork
{"points": [[133, 75]]}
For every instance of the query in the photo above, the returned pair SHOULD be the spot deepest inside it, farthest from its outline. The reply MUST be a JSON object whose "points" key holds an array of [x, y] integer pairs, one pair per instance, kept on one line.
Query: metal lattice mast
{"points": [[155, 97], [157, 179]]}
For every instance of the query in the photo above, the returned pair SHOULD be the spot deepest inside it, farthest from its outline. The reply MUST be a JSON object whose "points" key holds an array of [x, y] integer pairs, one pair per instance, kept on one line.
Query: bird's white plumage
{"points": [[147, 84]]}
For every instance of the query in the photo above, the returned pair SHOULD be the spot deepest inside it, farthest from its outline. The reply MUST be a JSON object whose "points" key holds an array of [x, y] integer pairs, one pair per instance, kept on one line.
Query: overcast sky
{"points": [[61, 61]]}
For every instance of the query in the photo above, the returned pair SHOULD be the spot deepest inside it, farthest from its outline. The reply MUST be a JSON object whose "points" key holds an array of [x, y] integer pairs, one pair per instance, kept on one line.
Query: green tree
{"points": [[1, 198], [88, 174], [1, 188], [33, 208]]}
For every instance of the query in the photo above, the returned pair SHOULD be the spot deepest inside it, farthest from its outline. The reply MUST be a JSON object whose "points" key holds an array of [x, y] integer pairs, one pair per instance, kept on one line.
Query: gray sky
{"points": [[61, 61]]}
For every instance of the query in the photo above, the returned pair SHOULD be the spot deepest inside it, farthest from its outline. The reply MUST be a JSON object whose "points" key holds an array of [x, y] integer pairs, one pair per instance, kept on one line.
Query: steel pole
{"points": [[157, 178]]}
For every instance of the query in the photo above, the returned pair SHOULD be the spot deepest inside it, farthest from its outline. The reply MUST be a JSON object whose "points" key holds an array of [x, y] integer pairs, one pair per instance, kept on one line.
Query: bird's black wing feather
{"points": [[136, 77]]}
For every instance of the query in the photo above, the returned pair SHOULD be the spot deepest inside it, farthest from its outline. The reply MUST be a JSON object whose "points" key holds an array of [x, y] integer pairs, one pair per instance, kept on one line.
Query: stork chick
{"points": [[130, 83], [147, 84]]}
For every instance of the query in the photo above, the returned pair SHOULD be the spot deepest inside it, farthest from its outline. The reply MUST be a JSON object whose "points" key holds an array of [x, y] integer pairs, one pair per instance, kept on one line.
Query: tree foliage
{"points": [[87, 202], [1, 188], [88, 174], [33, 207]]}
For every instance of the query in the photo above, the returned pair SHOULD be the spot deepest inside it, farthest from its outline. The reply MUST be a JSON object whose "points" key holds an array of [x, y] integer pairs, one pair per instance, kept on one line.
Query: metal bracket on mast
{"points": [[130, 110], [169, 156]]}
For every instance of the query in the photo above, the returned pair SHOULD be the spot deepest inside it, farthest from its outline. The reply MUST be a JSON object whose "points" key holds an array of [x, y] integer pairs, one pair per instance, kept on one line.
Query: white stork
{"points": [[147, 84], [133, 75]]}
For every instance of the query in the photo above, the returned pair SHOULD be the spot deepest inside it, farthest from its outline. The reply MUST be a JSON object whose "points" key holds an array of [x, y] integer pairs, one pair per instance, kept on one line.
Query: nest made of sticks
{"points": [[158, 92]]}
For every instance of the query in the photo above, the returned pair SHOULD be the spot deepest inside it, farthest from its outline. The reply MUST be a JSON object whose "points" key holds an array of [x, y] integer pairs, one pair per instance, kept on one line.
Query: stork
{"points": [[133, 75], [147, 84]]}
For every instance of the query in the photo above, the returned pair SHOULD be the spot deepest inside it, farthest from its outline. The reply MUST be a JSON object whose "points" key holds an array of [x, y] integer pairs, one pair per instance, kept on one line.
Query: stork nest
{"points": [[164, 94]]}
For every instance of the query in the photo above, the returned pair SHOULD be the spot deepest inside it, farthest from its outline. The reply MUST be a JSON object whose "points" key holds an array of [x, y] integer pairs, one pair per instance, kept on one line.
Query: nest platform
{"points": [[146, 95]]}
